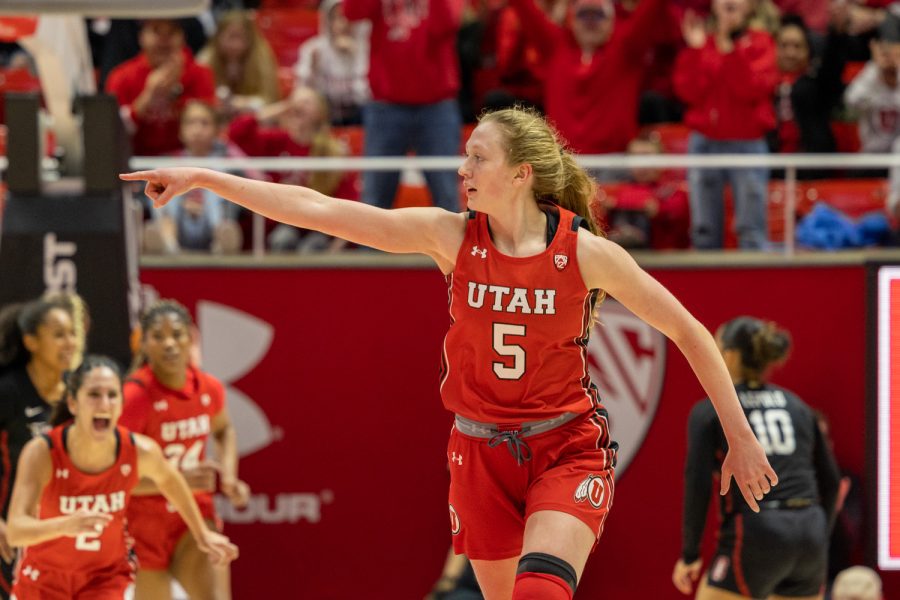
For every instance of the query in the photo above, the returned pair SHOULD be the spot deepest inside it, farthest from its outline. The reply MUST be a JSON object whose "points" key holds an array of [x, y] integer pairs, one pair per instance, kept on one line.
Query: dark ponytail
{"points": [[760, 344], [74, 381]]}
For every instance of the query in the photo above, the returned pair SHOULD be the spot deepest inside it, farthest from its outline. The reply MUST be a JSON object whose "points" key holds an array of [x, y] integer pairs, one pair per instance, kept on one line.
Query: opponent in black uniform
{"points": [[780, 552], [37, 344]]}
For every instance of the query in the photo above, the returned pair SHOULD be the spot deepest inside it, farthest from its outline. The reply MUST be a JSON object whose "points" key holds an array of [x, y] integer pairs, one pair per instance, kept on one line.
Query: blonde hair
{"points": [[260, 72], [557, 175], [324, 144]]}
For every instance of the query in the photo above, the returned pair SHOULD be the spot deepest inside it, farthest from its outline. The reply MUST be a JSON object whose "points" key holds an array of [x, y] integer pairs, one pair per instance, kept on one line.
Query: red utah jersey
{"points": [[517, 345], [70, 490], [180, 421]]}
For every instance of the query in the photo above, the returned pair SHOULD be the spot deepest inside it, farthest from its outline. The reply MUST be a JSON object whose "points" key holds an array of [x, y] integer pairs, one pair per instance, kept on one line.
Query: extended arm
{"points": [[432, 231], [607, 266], [24, 527], [172, 485]]}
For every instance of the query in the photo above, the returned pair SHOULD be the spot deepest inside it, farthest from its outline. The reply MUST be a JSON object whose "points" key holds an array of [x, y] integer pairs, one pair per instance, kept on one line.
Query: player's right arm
{"points": [[24, 528], [431, 231], [153, 465]]}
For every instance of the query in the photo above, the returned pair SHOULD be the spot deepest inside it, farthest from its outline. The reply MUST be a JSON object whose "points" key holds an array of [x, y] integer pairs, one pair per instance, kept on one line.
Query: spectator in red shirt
{"points": [[727, 78], [414, 76], [154, 86], [301, 129], [651, 210], [593, 66]]}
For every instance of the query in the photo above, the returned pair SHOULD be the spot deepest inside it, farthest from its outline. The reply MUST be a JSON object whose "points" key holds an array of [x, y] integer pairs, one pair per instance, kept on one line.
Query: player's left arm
{"points": [[607, 266], [224, 439], [172, 485], [828, 474]]}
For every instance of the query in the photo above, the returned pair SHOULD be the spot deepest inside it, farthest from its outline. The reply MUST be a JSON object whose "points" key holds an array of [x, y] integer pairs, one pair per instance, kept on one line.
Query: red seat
{"points": [[854, 197], [672, 136], [286, 29], [846, 136]]}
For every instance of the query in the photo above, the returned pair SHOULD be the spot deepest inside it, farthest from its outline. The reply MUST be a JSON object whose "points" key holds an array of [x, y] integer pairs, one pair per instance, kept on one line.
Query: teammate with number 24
{"points": [[531, 461], [181, 408]]}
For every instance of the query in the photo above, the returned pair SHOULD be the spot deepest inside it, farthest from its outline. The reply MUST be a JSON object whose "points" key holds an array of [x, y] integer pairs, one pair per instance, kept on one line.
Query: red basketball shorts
{"points": [[491, 496], [157, 528], [34, 582]]}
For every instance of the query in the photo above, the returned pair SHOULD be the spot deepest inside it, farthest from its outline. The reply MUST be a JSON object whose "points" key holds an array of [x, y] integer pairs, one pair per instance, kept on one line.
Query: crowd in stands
{"points": [[388, 78]]}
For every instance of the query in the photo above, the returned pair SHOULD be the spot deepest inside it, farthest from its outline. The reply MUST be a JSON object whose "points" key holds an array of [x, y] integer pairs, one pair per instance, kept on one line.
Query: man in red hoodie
{"points": [[154, 86], [414, 76], [727, 78], [594, 68]]}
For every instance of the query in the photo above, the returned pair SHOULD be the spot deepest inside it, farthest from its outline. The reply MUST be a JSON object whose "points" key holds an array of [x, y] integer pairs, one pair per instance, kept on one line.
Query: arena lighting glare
{"points": [[889, 418], [116, 9]]}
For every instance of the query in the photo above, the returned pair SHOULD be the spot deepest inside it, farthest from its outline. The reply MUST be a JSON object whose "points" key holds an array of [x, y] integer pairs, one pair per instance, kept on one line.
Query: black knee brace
{"points": [[538, 562]]}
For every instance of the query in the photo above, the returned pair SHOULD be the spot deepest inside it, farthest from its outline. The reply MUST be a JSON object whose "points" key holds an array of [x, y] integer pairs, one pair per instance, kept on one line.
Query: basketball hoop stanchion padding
{"points": [[23, 172], [61, 238]]}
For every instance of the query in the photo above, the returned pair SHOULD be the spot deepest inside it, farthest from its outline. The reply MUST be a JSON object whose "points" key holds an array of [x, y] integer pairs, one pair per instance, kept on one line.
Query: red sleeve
{"points": [[544, 33], [355, 10], [244, 131], [509, 40], [750, 72], [444, 17], [649, 25], [216, 392], [199, 83], [135, 407], [119, 85], [695, 70]]}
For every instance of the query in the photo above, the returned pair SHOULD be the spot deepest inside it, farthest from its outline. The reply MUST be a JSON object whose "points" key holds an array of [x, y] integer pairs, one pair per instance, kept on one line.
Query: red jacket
{"points": [[413, 48], [729, 96], [594, 104], [156, 133]]}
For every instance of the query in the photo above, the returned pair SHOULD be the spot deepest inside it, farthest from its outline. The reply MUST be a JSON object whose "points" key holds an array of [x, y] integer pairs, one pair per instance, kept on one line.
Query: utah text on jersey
{"points": [[104, 503], [513, 300], [185, 428]]}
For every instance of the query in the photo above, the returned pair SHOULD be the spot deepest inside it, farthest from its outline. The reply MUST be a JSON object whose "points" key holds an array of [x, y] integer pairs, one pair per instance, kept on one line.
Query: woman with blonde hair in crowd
{"points": [[243, 63], [297, 126], [531, 460]]}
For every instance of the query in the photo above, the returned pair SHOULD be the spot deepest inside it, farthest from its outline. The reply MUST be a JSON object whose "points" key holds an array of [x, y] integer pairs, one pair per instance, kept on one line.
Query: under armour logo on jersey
{"points": [[204, 400], [161, 406], [457, 458], [32, 574], [62, 473], [476, 251], [126, 470], [560, 260], [591, 489]]}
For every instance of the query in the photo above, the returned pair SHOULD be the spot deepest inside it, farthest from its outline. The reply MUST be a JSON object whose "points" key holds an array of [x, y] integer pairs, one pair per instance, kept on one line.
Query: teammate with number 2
{"points": [[531, 461], [781, 552], [72, 490], [182, 409]]}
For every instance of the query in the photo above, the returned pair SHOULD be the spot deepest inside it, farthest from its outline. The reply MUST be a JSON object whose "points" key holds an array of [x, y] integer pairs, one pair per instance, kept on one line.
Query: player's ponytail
{"points": [[557, 176], [760, 344], [75, 379]]}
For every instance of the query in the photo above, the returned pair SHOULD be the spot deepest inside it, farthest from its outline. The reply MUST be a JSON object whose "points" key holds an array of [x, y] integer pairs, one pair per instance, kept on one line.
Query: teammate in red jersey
{"points": [[73, 487], [181, 408], [524, 277]]}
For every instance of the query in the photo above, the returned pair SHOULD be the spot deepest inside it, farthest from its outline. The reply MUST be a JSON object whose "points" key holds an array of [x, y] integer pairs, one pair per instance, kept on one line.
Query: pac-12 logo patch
{"points": [[454, 521], [560, 260], [592, 489]]}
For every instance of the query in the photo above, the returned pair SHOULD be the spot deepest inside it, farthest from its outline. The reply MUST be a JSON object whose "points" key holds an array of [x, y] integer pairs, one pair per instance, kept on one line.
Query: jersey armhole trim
{"points": [[48, 439]]}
